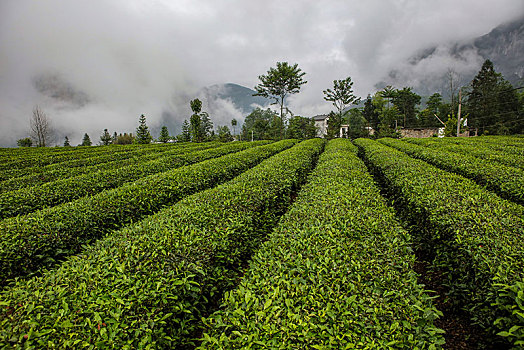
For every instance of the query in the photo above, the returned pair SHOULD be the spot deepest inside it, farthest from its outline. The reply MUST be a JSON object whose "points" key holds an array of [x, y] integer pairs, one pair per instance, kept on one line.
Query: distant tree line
{"points": [[489, 105]]}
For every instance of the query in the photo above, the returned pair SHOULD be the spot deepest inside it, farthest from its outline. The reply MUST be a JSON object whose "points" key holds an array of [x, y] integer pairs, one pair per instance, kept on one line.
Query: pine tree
{"points": [[186, 132], [164, 135], [493, 104], [105, 138], [66, 142], [142, 132], [86, 141]]}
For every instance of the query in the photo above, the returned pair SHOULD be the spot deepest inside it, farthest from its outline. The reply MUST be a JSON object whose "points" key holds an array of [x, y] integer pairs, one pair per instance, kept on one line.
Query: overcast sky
{"points": [[122, 58]]}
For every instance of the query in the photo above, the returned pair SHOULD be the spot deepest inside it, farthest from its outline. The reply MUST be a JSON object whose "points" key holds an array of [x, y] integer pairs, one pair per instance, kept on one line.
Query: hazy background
{"points": [[99, 64]]}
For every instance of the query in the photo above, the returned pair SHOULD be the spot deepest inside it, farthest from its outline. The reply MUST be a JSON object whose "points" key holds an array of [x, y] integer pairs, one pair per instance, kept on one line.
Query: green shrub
{"points": [[336, 273], [29, 242], [30, 199], [487, 151], [148, 285], [474, 236], [32, 176], [504, 180]]}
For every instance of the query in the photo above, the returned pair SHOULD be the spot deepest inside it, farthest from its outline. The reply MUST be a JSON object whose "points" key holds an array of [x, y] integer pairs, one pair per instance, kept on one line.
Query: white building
{"points": [[321, 124]]}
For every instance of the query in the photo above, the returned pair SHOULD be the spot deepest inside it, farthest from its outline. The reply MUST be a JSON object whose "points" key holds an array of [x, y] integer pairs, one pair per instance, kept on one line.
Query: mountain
{"points": [[428, 70], [504, 46], [241, 97], [60, 90]]}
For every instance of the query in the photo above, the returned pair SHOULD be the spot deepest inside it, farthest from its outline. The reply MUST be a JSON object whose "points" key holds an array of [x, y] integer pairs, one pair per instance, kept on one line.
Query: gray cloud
{"points": [[115, 60]]}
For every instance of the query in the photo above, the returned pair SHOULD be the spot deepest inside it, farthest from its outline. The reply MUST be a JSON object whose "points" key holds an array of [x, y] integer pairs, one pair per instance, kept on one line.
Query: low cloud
{"points": [[99, 64]]}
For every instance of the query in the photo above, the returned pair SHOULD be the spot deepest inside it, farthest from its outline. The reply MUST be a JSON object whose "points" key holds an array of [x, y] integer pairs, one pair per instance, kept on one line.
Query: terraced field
{"points": [[284, 245]]}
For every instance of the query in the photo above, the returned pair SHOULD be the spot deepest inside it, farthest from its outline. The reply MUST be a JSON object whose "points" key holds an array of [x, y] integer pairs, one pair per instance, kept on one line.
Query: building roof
{"points": [[320, 117]]}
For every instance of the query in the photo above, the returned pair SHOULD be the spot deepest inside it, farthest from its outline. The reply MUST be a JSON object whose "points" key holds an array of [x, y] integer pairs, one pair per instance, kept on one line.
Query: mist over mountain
{"points": [[101, 64], [427, 71]]}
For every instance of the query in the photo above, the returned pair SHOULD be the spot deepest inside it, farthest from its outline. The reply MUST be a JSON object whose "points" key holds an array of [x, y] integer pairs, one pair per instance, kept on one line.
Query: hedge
{"points": [[148, 285], [474, 236], [499, 144], [506, 181], [336, 273], [30, 199], [41, 156], [58, 171], [487, 151], [36, 240]]}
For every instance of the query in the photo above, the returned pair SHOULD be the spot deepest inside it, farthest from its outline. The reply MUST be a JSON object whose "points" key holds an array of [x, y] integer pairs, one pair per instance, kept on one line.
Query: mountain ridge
{"points": [[503, 45]]}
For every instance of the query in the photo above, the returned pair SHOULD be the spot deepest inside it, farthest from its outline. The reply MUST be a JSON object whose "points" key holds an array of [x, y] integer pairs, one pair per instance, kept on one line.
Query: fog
{"points": [[100, 64]]}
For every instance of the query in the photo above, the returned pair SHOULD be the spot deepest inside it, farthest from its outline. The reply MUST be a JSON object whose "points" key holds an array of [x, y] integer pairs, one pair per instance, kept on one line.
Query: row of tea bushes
{"points": [[148, 285], [474, 235], [27, 200], [511, 146], [506, 181], [29, 242], [41, 156], [58, 171], [336, 273], [486, 151], [90, 163]]}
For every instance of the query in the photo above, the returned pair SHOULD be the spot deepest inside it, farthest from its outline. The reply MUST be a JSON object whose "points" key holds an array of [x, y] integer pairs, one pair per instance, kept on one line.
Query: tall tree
{"points": [[342, 95], [406, 101], [105, 138], [164, 135], [388, 93], [388, 116], [279, 83], [66, 142], [453, 83], [370, 113], [334, 124], [195, 121], [185, 136], [142, 132], [206, 126], [434, 107], [41, 131], [86, 141], [196, 129], [492, 103], [201, 126]]}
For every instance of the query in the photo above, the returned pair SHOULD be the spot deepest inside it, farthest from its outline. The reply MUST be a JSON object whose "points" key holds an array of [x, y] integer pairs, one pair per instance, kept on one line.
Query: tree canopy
{"points": [[493, 104], [279, 83], [342, 94]]}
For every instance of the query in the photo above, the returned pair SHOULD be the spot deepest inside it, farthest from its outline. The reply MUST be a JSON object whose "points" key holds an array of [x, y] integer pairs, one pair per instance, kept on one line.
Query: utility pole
{"points": [[458, 115]]}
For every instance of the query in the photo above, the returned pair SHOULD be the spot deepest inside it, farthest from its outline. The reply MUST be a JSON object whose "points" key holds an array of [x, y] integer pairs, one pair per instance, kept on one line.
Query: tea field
{"points": [[262, 245]]}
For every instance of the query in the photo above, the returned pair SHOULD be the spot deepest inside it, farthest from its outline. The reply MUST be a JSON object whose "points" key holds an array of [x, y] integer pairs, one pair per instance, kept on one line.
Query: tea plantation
{"points": [[262, 245]]}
